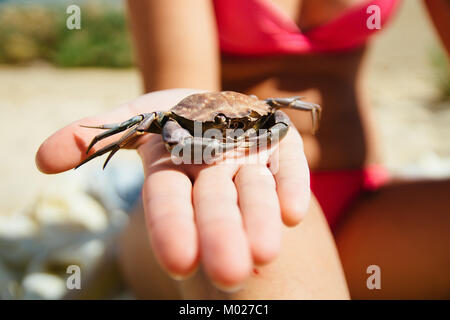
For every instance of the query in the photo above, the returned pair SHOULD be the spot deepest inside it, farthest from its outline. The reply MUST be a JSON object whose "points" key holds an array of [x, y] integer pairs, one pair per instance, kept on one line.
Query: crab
{"points": [[225, 111]]}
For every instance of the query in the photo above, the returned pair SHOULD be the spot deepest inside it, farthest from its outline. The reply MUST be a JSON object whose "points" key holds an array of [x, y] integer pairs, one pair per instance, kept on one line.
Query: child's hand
{"points": [[227, 215]]}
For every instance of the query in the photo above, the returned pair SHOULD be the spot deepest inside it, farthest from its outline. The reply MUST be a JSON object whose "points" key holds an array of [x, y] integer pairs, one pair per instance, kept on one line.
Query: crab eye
{"points": [[220, 118]]}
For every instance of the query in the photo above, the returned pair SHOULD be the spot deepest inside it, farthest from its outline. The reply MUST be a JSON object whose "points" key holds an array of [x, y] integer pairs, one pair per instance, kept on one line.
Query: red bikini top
{"points": [[259, 27]]}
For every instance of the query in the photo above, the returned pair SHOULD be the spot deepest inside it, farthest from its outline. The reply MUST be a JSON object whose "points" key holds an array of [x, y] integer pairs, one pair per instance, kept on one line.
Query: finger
{"points": [[261, 211], [225, 251], [291, 172], [67, 147], [167, 198]]}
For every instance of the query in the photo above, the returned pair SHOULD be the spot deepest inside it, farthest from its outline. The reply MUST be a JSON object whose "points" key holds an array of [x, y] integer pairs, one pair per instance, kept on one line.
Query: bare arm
{"points": [[439, 11], [176, 43]]}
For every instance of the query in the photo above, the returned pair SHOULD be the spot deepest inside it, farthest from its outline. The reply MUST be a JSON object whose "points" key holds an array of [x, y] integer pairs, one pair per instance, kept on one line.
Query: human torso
{"points": [[345, 139]]}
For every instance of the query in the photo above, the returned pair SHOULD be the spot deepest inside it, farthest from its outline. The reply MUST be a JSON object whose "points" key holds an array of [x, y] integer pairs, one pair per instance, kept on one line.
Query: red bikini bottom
{"points": [[337, 190]]}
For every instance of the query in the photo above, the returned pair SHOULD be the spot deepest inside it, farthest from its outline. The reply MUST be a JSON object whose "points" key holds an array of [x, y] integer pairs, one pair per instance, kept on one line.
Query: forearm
{"points": [[176, 43], [439, 11]]}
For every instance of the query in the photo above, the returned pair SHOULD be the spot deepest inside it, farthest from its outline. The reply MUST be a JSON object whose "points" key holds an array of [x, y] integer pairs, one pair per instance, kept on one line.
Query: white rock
{"points": [[68, 206], [17, 226], [43, 286]]}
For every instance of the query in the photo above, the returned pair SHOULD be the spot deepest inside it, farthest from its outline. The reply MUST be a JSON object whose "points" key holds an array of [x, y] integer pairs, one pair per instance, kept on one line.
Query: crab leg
{"points": [[113, 129], [113, 147], [298, 104], [118, 124], [137, 126]]}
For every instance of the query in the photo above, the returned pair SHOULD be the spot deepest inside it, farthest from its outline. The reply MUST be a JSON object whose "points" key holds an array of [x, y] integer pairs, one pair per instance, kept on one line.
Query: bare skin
{"points": [[306, 268], [335, 82], [307, 265], [227, 217], [403, 228]]}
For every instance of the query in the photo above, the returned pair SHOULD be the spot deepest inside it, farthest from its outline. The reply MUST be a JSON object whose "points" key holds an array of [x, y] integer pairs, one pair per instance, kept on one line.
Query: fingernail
{"points": [[229, 289], [181, 277]]}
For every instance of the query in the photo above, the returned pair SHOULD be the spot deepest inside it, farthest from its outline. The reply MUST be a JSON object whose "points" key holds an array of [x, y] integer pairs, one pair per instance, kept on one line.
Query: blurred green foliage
{"points": [[34, 31], [39, 32], [442, 71]]}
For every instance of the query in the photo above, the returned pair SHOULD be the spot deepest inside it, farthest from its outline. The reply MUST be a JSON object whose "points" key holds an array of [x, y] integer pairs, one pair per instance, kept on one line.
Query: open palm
{"points": [[227, 215]]}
